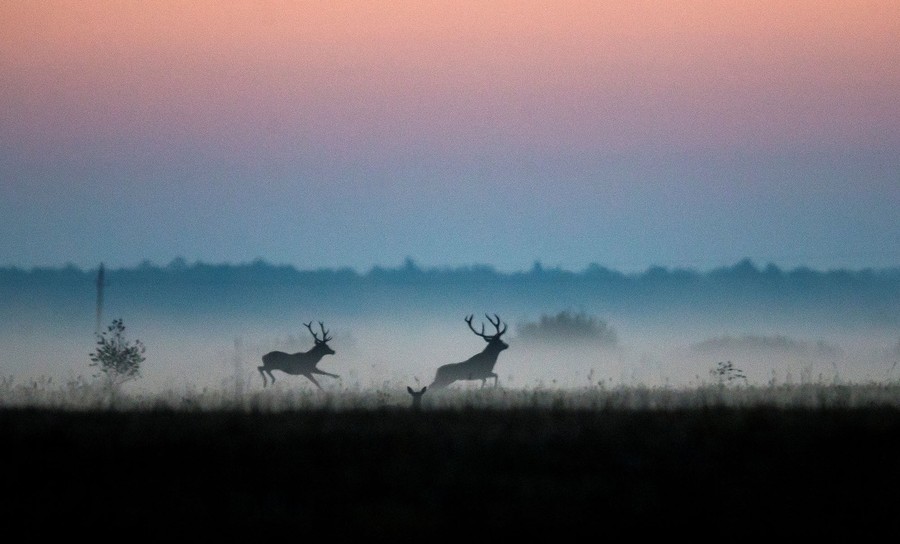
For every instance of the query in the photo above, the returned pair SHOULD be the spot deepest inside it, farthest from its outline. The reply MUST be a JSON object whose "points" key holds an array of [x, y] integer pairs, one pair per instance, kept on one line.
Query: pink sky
{"points": [[658, 125], [450, 77]]}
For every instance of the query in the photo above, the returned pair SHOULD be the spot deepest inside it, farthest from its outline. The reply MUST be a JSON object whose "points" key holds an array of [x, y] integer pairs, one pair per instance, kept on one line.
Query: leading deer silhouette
{"points": [[476, 367], [299, 364]]}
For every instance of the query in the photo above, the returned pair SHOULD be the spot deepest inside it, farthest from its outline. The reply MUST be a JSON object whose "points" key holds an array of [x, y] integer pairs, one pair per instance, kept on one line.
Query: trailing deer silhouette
{"points": [[476, 367], [299, 364], [416, 396]]}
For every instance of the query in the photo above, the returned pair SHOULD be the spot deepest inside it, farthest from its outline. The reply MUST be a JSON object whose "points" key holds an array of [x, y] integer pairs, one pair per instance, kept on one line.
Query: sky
{"points": [[628, 134]]}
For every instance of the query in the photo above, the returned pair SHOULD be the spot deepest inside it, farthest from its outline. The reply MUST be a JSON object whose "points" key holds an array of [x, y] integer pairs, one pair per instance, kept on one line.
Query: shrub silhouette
{"points": [[116, 359], [725, 372], [567, 326]]}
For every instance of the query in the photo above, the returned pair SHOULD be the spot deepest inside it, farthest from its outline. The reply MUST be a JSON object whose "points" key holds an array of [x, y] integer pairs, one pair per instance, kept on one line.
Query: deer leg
{"points": [[261, 373], [495, 379], [317, 371], [314, 381]]}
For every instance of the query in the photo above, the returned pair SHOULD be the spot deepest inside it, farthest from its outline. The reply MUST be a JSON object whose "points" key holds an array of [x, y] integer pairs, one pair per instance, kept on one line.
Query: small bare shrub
{"points": [[116, 359]]}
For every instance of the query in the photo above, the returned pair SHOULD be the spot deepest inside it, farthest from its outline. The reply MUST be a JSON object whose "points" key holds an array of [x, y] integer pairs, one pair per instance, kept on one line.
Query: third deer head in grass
{"points": [[416, 396]]}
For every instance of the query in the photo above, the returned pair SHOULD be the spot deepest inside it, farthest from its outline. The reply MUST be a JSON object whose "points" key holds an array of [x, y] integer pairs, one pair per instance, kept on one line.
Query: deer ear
{"points": [[424, 388], [408, 388]]}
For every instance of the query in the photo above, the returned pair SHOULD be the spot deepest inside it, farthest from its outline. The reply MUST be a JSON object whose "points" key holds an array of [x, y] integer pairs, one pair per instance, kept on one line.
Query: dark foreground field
{"points": [[468, 473]]}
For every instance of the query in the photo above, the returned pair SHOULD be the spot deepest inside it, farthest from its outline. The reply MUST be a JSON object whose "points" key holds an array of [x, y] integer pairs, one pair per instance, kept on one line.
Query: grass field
{"points": [[717, 462]]}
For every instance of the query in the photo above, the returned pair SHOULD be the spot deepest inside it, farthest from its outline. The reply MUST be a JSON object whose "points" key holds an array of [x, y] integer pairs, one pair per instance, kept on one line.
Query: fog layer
{"points": [[209, 327]]}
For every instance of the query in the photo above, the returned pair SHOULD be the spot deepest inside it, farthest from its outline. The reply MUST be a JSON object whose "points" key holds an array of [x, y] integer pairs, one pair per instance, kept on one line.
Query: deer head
{"points": [[493, 340], [320, 344], [416, 396]]}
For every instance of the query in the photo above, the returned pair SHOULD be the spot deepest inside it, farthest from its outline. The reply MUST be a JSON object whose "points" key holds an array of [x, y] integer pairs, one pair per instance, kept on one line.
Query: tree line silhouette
{"points": [[867, 296]]}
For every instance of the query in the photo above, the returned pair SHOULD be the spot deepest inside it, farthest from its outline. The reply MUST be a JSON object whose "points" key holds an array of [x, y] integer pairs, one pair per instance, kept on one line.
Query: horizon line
{"points": [[410, 264]]}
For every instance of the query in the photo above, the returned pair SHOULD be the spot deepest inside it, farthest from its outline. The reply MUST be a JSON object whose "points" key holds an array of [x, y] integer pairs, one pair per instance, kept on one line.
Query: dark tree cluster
{"points": [[566, 326]]}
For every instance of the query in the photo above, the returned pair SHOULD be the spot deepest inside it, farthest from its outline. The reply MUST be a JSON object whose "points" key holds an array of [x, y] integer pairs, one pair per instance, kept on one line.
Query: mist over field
{"points": [[207, 326]]}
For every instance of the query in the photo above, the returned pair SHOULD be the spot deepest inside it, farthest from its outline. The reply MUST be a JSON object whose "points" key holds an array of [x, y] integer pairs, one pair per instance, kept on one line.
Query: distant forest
{"points": [[867, 297]]}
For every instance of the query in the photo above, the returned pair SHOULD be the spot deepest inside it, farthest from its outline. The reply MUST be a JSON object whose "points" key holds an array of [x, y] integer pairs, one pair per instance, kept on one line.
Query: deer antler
{"points": [[496, 325], [312, 332], [324, 333], [481, 334]]}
